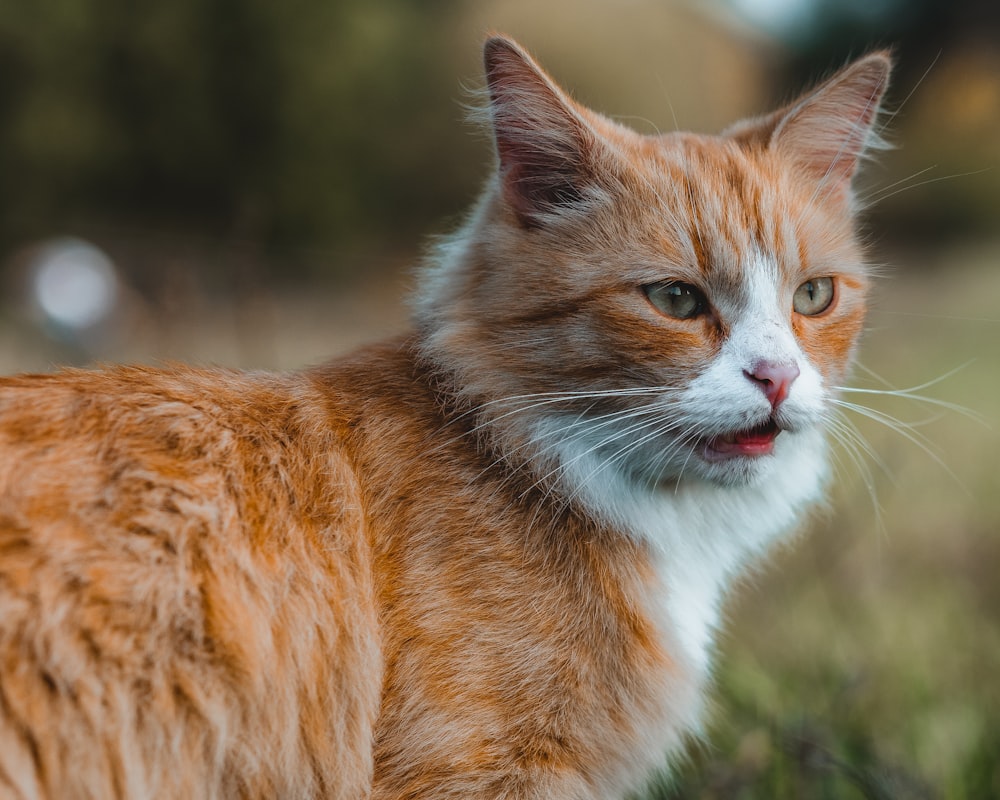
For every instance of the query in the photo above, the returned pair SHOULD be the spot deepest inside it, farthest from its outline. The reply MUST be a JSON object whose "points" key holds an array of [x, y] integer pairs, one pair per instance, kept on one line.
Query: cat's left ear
{"points": [[826, 133]]}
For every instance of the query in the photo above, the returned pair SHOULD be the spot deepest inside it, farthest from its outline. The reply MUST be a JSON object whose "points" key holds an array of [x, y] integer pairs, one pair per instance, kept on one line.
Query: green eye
{"points": [[675, 299], [813, 297]]}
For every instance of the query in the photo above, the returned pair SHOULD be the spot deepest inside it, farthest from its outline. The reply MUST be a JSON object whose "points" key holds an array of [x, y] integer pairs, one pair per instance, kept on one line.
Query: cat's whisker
{"points": [[855, 447], [903, 429], [573, 395], [680, 472], [881, 197], [840, 423], [532, 402], [865, 200], [910, 393], [583, 424], [891, 115], [908, 430], [634, 444], [535, 400], [617, 434], [946, 405], [677, 442], [871, 374], [918, 387], [664, 458], [623, 453]]}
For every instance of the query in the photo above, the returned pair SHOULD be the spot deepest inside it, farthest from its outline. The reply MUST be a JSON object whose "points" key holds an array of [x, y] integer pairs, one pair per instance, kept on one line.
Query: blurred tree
{"points": [[307, 121]]}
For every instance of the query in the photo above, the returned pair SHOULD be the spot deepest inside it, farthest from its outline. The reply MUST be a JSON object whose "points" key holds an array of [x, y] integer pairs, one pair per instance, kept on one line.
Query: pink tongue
{"points": [[756, 442]]}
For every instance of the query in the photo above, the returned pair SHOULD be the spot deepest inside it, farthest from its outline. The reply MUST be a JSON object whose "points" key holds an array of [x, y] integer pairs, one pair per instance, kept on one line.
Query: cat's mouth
{"points": [[752, 442]]}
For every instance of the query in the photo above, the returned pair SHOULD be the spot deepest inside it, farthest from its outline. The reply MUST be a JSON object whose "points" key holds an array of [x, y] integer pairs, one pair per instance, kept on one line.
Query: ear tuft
{"points": [[828, 131], [542, 142]]}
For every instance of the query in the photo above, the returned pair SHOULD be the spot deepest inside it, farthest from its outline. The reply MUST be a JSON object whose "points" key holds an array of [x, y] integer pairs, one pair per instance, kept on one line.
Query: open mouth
{"points": [[753, 442]]}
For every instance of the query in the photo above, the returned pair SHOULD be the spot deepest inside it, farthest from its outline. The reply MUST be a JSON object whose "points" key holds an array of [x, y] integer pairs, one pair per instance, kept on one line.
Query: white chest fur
{"points": [[705, 535]]}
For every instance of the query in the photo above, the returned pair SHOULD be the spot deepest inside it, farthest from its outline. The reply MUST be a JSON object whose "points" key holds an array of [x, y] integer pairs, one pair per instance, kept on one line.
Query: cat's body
{"points": [[483, 560]]}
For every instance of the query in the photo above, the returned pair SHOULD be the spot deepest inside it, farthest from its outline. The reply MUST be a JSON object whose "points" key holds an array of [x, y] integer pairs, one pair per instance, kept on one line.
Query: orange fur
{"points": [[378, 578]]}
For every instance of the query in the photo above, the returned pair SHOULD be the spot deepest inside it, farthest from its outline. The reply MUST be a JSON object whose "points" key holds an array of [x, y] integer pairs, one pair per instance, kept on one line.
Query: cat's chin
{"points": [[736, 470]]}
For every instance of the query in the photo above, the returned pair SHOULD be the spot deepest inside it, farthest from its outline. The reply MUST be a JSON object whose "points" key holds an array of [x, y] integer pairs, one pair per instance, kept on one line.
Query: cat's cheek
{"points": [[676, 346], [829, 342]]}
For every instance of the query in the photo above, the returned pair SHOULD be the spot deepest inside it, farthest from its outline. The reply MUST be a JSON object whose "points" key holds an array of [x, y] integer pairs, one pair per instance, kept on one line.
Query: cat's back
{"points": [[180, 552]]}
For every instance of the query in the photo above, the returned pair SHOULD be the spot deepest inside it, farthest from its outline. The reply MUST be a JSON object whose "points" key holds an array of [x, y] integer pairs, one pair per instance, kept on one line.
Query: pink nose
{"points": [[774, 380]]}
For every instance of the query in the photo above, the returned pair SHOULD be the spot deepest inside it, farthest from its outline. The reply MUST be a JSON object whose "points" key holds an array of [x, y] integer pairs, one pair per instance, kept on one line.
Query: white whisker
{"points": [[617, 434], [912, 91], [910, 393], [535, 400], [856, 448], [916, 174], [879, 198], [914, 437], [623, 453]]}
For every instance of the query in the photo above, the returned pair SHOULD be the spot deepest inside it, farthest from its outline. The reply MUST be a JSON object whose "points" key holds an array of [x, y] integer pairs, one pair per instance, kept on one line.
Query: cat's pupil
{"points": [[676, 299]]}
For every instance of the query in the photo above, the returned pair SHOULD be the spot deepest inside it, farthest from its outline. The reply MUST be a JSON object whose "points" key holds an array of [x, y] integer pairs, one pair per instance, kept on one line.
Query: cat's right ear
{"points": [[543, 144]]}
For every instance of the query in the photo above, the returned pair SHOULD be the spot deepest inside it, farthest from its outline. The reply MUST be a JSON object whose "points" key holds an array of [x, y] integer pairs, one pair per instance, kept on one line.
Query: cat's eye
{"points": [[813, 297], [676, 299]]}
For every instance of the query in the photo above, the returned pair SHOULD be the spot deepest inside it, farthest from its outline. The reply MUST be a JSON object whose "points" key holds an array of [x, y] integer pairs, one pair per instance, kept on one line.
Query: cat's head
{"points": [[661, 306]]}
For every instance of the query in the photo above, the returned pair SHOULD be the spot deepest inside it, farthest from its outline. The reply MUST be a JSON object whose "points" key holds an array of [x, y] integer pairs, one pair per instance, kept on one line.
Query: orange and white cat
{"points": [[483, 560]]}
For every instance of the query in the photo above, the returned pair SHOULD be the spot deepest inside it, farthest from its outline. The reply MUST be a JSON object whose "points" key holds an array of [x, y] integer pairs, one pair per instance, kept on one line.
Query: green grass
{"points": [[864, 660]]}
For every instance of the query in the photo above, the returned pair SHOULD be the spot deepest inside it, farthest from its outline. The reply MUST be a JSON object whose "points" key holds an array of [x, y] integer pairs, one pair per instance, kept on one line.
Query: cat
{"points": [[484, 559]]}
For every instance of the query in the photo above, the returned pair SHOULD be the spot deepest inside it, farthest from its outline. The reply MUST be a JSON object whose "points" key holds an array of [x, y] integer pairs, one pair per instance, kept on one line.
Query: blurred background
{"points": [[249, 183]]}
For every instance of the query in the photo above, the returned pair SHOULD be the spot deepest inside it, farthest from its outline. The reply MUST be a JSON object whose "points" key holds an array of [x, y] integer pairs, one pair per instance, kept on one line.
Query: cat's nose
{"points": [[775, 380]]}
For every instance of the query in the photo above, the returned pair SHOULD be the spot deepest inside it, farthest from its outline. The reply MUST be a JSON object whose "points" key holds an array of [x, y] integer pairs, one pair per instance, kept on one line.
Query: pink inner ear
{"points": [[828, 131]]}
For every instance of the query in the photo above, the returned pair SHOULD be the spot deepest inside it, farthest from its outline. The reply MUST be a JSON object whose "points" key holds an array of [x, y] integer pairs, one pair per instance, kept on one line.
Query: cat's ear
{"points": [[827, 132], [544, 145]]}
